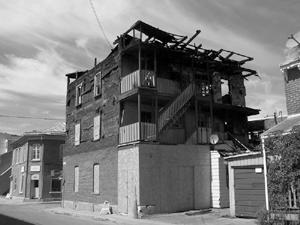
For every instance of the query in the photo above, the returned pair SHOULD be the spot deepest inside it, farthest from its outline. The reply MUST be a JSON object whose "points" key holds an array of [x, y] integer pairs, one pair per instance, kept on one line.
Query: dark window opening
{"points": [[293, 74], [55, 185], [146, 117]]}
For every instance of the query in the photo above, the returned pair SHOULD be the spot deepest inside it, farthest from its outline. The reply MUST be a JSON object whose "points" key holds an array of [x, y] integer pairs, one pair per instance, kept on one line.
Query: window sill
{"points": [[35, 160], [97, 96], [54, 192], [95, 193]]}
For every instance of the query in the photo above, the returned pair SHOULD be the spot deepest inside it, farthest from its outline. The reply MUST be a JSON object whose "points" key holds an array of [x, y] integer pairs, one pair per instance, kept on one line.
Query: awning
{"points": [[284, 127]]}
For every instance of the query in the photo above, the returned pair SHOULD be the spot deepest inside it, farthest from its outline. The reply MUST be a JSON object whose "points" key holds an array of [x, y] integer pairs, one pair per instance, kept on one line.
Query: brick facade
{"points": [[41, 171], [292, 92], [90, 151], [107, 160]]}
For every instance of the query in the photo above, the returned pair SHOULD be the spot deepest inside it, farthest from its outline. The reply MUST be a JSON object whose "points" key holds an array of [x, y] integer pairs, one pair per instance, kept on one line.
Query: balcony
{"points": [[131, 132], [146, 78], [143, 78]]}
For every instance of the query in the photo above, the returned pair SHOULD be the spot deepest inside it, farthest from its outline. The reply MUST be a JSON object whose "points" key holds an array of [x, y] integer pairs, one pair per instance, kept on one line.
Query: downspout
{"points": [[27, 162], [265, 172]]}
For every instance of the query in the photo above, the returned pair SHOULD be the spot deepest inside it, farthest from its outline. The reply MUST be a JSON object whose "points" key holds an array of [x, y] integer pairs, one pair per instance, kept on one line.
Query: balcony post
{"points": [[139, 94], [156, 117], [155, 68]]}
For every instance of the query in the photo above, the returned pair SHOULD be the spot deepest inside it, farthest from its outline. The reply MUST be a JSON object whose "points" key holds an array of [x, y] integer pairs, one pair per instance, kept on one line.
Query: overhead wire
{"points": [[31, 117], [99, 24]]}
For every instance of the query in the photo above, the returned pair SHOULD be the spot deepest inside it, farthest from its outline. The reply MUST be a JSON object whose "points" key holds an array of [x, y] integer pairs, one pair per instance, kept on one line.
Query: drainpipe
{"points": [[265, 172], [27, 172]]}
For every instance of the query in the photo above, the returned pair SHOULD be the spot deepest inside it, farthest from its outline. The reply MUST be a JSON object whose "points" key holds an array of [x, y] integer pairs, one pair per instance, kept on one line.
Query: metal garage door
{"points": [[249, 191]]}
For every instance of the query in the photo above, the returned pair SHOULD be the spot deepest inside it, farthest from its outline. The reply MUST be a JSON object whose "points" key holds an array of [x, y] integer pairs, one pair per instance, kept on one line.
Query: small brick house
{"points": [[139, 123], [37, 166]]}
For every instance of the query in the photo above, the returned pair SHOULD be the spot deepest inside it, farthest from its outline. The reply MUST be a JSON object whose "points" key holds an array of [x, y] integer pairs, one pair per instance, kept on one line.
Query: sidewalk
{"points": [[214, 217]]}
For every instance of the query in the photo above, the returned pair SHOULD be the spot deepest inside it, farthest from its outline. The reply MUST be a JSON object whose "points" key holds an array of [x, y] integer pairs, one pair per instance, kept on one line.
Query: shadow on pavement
{"points": [[5, 220]]}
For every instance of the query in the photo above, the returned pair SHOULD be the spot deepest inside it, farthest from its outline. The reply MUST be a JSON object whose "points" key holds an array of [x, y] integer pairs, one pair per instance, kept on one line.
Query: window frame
{"points": [[34, 152], [51, 187]]}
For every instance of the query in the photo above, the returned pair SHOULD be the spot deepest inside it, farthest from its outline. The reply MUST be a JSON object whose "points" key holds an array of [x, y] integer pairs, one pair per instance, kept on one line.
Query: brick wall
{"points": [[91, 106], [107, 160], [292, 93]]}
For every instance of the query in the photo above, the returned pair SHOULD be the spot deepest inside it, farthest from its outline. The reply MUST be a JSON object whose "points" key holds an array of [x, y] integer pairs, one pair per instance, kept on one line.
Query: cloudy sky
{"points": [[41, 41]]}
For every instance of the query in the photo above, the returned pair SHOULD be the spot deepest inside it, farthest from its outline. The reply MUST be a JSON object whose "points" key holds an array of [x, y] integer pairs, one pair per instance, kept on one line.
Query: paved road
{"points": [[34, 214]]}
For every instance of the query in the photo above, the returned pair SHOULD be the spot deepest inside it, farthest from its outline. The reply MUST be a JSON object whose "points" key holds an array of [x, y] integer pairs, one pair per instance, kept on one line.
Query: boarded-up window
{"points": [[96, 179], [78, 94], [97, 127], [97, 84], [77, 134], [76, 178], [21, 183]]}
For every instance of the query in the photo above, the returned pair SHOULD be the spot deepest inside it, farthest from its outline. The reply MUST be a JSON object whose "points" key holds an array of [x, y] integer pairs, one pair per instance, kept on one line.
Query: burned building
{"points": [[139, 124]]}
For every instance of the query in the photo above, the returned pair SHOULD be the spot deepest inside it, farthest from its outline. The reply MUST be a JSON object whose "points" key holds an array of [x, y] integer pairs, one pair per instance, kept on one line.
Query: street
{"points": [[34, 214]]}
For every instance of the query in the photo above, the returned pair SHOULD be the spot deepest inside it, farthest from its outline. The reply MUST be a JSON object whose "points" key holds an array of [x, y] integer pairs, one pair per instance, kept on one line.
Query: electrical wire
{"points": [[99, 24], [31, 117]]}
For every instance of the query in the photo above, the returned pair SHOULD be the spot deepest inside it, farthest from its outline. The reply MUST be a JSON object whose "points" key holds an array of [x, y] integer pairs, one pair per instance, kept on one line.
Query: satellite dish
{"points": [[214, 138]]}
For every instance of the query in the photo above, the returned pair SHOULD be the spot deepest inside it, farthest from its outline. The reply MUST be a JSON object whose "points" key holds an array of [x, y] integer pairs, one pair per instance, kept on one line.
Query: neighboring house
{"points": [[246, 180], [5, 160], [5, 142], [5, 172], [259, 125], [139, 124], [291, 71], [37, 166]]}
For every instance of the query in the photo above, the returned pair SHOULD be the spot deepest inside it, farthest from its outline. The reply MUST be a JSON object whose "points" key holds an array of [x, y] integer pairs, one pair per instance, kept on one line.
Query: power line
{"points": [[30, 117], [99, 24]]}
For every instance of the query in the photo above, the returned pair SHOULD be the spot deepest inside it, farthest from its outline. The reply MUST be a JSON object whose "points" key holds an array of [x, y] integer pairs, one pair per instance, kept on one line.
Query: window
{"points": [[292, 74], [77, 134], [79, 91], [97, 84], [55, 185], [21, 183], [96, 173], [76, 178], [97, 127], [36, 149]]}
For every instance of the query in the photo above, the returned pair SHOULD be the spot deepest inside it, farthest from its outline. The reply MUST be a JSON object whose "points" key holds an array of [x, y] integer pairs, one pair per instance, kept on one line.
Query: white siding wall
{"points": [[219, 189]]}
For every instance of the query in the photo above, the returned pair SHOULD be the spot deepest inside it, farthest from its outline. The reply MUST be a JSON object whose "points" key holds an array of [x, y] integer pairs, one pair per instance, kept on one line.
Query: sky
{"points": [[41, 41]]}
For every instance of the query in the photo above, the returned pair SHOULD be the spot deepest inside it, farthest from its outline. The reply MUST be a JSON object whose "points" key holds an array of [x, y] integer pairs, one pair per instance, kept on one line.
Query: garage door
{"points": [[249, 191]]}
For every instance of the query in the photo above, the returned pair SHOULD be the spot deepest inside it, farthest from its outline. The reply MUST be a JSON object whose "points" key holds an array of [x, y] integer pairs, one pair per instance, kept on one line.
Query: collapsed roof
{"points": [[151, 35]]}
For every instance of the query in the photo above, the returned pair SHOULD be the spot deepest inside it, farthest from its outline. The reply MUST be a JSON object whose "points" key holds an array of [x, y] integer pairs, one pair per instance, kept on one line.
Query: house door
{"points": [[35, 189]]}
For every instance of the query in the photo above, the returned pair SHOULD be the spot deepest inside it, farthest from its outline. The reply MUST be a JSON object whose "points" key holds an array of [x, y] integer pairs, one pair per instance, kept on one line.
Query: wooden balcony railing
{"points": [[131, 132], [143, 78]]}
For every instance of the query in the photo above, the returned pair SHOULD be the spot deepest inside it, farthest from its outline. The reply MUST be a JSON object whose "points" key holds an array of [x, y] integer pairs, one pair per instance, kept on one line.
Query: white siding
{"points": [[219, 188]]}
